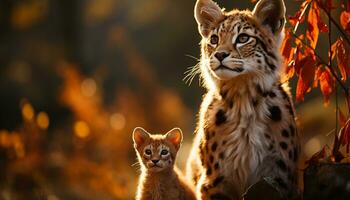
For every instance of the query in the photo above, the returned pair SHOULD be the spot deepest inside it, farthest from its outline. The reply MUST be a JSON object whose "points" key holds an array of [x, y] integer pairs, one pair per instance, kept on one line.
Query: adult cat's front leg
{"points": [[194, 166]]}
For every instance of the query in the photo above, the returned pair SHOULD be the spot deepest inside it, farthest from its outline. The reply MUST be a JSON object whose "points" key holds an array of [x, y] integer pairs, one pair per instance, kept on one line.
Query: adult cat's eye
{"points": [[242, 38], [164, 152], [148, 152], [214, 39]]}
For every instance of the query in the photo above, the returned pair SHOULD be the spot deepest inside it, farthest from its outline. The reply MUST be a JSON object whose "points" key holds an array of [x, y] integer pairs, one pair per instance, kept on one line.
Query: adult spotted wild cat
{"points": [[246, 129]]}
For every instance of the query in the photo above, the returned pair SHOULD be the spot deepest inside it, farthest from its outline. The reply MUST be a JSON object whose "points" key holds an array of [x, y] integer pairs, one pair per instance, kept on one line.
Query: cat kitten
{"points": [[160, 180]]}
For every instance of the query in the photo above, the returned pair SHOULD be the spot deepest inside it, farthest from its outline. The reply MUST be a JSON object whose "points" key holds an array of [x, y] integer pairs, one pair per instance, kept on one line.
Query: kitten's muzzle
{"points": [[153, 165], [155, 161]]}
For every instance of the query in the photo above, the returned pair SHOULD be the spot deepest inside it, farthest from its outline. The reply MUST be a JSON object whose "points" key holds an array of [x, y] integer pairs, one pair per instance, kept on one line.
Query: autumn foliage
{"points": [[303, 60]]}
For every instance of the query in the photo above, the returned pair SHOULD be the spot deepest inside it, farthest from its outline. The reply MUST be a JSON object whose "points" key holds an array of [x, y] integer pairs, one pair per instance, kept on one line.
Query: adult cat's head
{"points": [[240, 43]]}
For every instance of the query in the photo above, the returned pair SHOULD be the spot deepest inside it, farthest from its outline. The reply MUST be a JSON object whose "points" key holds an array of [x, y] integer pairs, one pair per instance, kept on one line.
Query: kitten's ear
{"points": [[207, 14], [175, 137], [140, 136], [271, 13]]}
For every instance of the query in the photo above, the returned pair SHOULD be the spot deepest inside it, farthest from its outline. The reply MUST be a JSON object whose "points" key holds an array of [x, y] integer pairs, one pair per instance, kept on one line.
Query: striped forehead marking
{"points": [[162, 147]]}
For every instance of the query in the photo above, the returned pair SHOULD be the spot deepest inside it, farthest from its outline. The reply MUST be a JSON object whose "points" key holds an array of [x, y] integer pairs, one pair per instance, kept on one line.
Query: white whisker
{"points": [[191, 73]]}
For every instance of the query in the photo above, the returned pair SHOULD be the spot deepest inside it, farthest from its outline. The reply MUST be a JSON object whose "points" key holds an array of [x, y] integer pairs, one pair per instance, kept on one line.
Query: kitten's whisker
{"points": [[137, 163]]}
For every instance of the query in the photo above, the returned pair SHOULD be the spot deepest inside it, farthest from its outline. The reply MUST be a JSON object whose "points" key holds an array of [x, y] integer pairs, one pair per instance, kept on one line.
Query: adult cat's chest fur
{"points": [[234, 135], [241, 137]]}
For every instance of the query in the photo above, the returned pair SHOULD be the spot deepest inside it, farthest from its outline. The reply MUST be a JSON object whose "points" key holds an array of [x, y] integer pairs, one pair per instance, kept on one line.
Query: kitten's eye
{"points": [[164, 152], [214, 39], [242, 38], [148, 152]]}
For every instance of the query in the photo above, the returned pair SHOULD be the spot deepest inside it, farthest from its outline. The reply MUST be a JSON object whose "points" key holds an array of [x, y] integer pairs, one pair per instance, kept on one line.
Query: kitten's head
{"points": [[238, 42], [157, 152]]}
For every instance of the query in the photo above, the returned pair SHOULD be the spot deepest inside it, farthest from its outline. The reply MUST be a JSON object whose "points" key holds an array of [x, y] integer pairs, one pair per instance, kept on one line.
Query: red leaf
{"points": [[290, 70], [317, 76], [313, 30], [345, 134], [343, 59], [329, 5], [286, 46], [322, 26], [327, 82], [306, 76], [298, 17], [294, 19], [345, 21], [288, 54], [326, 4], [334, 48], [298, 42], [327, 85], [342, 119], [315, 159], [298, 62]]}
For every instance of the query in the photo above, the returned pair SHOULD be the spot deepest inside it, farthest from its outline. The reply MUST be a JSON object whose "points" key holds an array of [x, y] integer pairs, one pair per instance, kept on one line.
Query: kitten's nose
{"points": [[221, 55], [155, 161]]}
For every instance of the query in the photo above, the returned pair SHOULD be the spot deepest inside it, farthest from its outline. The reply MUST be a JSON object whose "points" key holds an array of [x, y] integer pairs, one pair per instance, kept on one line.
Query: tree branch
{"points": [[300, 17], [340, 29], [336, 144]]}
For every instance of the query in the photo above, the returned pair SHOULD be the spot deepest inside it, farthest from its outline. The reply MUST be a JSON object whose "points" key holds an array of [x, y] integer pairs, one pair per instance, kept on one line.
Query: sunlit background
{"points": [[78, 75]]}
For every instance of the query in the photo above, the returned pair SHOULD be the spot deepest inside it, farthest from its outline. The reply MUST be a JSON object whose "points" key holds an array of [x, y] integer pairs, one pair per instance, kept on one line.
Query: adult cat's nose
{"points": [[155, 161], [221, 55]]}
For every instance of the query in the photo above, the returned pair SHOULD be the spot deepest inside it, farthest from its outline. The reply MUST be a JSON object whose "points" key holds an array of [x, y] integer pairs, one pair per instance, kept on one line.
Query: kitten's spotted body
{"points": [[159, 179], [246, 129]]}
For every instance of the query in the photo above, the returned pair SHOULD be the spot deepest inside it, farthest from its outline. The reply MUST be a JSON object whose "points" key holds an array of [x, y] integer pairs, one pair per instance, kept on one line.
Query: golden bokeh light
{"points": [[4, 139], [12, 140], [81, 129], [28, 111], [18, 146], [312, 146], [43, 120], [117, 121], [99, 10], [27, 14], [52, 197], [88, 87]]}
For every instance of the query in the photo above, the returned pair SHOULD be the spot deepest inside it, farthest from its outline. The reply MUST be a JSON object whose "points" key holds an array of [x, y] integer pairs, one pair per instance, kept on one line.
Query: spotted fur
{"points": [[246, 129]]}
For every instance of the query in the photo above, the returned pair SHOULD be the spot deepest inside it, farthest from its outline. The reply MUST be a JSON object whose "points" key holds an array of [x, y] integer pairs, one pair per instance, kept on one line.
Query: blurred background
{"points": [[78, 75]]}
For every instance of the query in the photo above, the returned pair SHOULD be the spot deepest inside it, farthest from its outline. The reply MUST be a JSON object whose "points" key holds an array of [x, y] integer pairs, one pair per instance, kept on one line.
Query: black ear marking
{"points": [[275, 26], [281, 23]]}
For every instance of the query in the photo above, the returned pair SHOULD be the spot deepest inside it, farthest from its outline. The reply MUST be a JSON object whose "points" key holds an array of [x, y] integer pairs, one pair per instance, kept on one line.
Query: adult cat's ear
{"points": [[175, 137], [271, 13], [140, 136], [207, 14]]}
